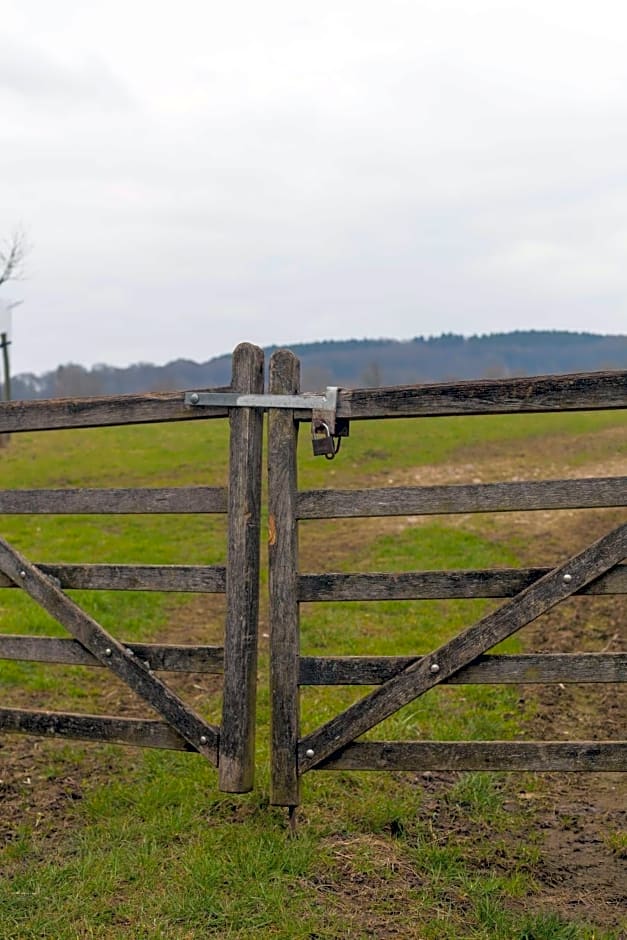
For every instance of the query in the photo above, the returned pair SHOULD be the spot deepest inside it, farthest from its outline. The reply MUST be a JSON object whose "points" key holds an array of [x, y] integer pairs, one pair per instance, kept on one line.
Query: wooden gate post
{"points": [[283, 569], [237, 734]]}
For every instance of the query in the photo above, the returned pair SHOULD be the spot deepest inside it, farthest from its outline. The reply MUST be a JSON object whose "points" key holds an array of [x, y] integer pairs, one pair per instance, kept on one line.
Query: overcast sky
{"points": [[190, 175]]}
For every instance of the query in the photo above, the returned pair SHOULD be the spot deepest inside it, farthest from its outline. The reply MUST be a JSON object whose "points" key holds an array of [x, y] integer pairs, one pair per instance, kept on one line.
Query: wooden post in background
{"points": [[4, 343], [237, 734], [283, 563]]}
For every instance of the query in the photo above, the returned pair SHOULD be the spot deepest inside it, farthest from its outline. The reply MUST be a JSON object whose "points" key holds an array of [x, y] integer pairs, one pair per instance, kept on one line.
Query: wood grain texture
{"points": [[161, 656], [199, 579], [485, 497], [283, 573], [531, 668], [433, 585], [582, 391], [138, 732], [536, 756], [418, 678], [237, 734], [189, 499], [136, 674], [148, 408]]}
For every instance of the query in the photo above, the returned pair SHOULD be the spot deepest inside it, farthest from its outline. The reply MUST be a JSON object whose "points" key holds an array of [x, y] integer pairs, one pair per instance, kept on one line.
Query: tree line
{"points": [[355, 363]]}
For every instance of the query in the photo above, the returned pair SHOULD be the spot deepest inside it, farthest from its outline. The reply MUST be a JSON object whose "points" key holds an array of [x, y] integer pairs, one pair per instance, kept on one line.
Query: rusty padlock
{"points": [[322, 442]]}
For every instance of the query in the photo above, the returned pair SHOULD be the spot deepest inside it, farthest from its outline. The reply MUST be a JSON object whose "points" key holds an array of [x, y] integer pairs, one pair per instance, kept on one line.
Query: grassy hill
{"points": [[99, 841]]}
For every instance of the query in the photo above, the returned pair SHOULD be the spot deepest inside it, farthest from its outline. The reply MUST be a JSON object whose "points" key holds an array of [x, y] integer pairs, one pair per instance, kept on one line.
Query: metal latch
{"points": [[326, 427], [303, 402]]}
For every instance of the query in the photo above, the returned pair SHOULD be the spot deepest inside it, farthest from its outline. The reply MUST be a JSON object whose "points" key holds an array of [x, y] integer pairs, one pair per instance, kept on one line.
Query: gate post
{"points": [[237, 733], [283, 570]]}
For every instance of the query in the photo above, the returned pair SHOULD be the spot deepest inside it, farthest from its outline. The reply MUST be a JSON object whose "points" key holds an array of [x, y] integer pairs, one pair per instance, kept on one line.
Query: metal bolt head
{"points": [[309, 752], [194, 398], [107, 651], [568, 578], [434, 668], [22, 574], [203, 739]]}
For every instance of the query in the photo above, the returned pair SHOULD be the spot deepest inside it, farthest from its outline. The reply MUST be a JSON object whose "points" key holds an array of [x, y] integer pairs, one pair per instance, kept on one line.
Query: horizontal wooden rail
{"points": [[529, 668], [569, 757], [435, 585], [200, 579], [188, 499], [161, 656], [582, 391], [53, 414], [487, 497], [138, 732]]}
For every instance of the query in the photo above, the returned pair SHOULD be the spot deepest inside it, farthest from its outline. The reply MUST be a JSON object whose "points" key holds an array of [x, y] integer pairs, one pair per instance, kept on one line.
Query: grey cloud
{"points": [[36, 77]]}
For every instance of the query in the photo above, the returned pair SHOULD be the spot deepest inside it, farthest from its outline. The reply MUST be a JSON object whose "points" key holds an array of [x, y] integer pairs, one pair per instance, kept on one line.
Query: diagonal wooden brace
{"points": [[432, 669], [138, 675]]}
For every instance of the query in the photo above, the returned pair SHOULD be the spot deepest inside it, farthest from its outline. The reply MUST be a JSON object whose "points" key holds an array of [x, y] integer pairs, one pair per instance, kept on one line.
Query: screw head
{"points": [[434, 668], [568, 578], [194, 398], [309, 752], [203, 739], [107, 651], [22, 574]]}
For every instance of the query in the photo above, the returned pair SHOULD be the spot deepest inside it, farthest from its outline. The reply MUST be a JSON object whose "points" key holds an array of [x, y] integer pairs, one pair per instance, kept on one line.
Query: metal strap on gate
{"points": [[326, 428]]}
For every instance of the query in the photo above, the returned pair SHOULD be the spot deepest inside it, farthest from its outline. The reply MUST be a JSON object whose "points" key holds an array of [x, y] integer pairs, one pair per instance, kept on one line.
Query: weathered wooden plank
{"points": [[582, 391], [464, 648], [171, 499], [148, 408], [537, 756], [237, 730], [483, 497], [136, 674], [138, 732], [198, 579], [283, 576], [434, 585], [529, 668], [162, 656]]}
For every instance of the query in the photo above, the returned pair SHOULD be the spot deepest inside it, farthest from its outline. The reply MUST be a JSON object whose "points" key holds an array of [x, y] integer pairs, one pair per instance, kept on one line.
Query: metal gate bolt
{"points": [[203, 739], [309, 752], [568, 578], [434, 668], [107, 651]]}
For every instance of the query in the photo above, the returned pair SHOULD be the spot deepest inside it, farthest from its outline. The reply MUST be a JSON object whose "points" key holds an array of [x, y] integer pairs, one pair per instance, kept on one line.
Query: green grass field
{"points": [[107, 842]]}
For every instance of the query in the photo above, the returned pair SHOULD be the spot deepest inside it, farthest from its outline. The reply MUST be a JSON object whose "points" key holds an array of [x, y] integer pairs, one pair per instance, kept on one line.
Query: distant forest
{"points": [[364, 363]]}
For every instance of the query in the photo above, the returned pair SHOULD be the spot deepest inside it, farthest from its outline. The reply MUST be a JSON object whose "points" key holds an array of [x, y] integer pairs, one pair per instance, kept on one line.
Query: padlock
{"points": [[322, 441]]}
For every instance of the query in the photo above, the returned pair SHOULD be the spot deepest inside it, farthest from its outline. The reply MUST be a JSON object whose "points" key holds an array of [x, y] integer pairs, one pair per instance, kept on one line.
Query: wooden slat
{"points": [[52, 414], [531, 668], [188, 499], [582, 391], [485, 497], [237, 729], [201, 579], [464, 648], [161, 656], [565, 757], [138, 732], [283, 576], [130, 669], [434, 585]]}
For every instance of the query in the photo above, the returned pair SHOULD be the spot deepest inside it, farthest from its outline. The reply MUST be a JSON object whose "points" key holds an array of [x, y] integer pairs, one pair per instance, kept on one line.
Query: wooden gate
{"points": [[231, 746], [531, 592]]}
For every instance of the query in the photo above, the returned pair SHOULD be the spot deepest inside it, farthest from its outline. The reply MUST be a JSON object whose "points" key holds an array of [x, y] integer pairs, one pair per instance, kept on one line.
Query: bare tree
{"points": [[12, 254]]}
